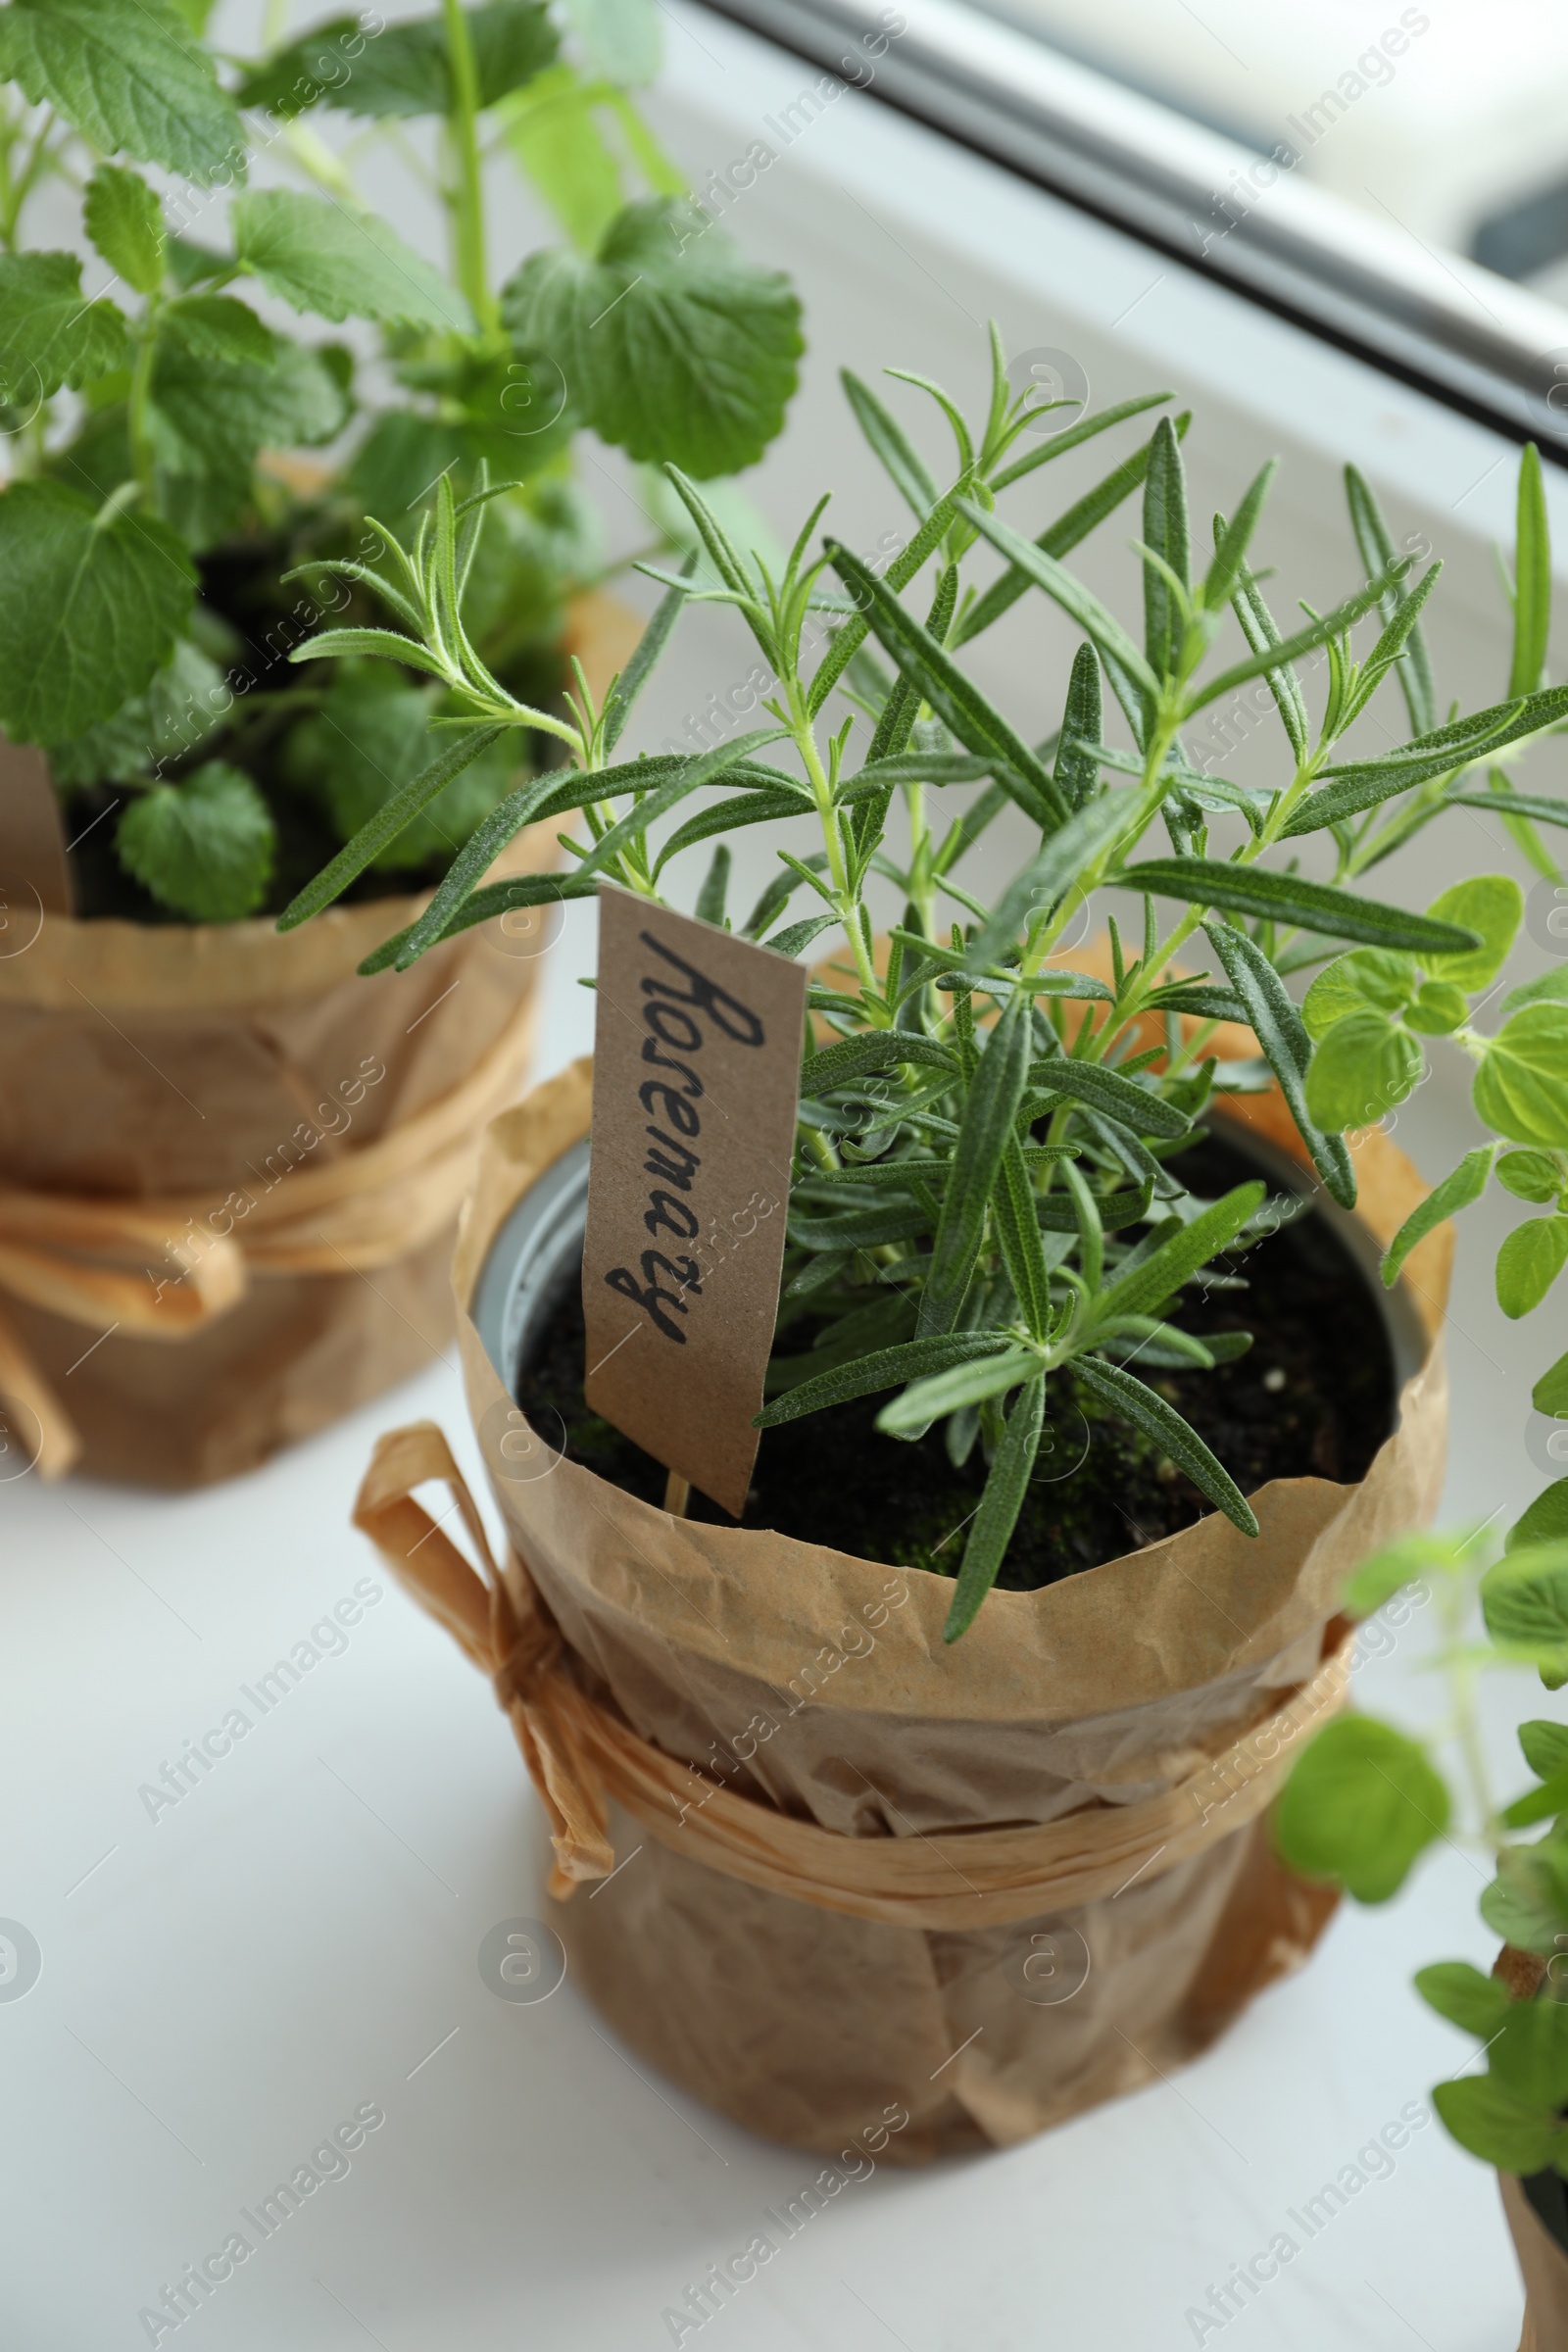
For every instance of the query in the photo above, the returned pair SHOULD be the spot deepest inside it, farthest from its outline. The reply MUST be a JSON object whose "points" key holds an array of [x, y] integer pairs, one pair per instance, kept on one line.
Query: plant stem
{"points": [[465, 200]]}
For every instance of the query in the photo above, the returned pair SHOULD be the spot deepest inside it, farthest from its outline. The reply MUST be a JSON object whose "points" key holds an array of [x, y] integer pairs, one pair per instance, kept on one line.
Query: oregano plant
{"points": [[155, 411], [987, 1205]]}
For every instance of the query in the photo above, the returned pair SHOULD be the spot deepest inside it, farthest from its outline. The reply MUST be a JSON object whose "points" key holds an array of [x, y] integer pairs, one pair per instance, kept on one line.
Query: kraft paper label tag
{"points": [[697, 1056]]}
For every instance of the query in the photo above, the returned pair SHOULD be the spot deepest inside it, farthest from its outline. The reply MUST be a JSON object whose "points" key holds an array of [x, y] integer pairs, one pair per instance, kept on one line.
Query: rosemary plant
{"points": [[987, 1198]]}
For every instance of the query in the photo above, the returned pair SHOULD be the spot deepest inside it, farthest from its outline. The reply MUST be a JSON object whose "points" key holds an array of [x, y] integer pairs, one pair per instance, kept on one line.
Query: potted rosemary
{"points": [[224, 1162], [936, 1786]]}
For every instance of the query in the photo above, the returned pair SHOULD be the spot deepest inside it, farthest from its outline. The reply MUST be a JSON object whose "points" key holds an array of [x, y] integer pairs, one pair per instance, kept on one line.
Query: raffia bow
{"points": [[581, 1754], [88, 1260]]}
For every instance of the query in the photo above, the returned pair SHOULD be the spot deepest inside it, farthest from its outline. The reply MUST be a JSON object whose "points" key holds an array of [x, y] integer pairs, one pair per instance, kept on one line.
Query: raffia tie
{"points": [[86, 1259], [581, 1754]]}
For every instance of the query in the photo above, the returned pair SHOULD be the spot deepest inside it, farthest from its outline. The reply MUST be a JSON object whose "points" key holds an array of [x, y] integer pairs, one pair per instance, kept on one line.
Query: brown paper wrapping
{"points": [[1107, 1690], [174, 1063]]}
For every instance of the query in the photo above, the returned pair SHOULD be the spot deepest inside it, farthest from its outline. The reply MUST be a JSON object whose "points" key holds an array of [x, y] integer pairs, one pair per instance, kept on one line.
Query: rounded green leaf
{"points": [[1546, 1519], [203, 846], [1380, 978], [1497, 2127], [131, 79], [1475, 2003], [1360, 1805], [1438, 1007], [1521, 1086], [1531, 1175], [89, 608], [1550, 1392], [672, 347], [321, 257], [1529, 1262], [1524, 1600], [125, 222], [1363, 1066], [1493, 905], [50, 333]]}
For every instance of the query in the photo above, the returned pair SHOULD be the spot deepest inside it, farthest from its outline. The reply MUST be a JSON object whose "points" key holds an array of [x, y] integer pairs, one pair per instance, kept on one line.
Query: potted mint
{"points": [[935, 1788], [232, 1172]]}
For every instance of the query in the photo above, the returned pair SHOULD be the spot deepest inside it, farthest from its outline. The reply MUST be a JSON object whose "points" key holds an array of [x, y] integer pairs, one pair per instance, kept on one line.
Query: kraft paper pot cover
{"points": [[235, 1115], [633, 1648]]}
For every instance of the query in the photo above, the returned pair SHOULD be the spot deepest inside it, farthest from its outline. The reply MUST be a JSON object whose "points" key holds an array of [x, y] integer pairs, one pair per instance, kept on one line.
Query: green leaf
{"points": [[1529, 2058], [403, 69], [1035, 563], [1362, 1067], [170, 719], [502, 898], [1550, 1392], [129, 77], [50, 333], [203, 846], [994, 1522], [1019, 1232], [209, 418], [1287, 1047], [1300, 641], [1502, 2130], [387, 823], [1232, 541], [966, 1384], [957, 702], [1165, 535], [1532, 600], [1492, 906], [1525, 1904], [1547, 988], [996, 1092], [887, 1368], [1076, 769], [1530, 1176], [1546, 1521], [1437, 1010], [1064, 856], [1292, 899], [672, 346], [890, 445], [1521, 1086], [317, 256], [215, 328], [1475, 2003], [1258, 627], [1362, 1805], [1366, 977], [1071, 528], [1524, 1600], [1545, 1748], [1397, 1565], [620, 39], [1540, 1804], [1463, 1185], [126, 222], [1362, 784], [1166, 1268], [553, 132], [1529, 1262], [1149, 1411], [88, 609], [1377, 554], [1133, 1106]]}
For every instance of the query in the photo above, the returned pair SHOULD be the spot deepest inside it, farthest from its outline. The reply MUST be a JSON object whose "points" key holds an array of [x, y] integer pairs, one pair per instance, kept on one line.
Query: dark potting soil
{"points": [[1547, 2193], [1314, 1397]]}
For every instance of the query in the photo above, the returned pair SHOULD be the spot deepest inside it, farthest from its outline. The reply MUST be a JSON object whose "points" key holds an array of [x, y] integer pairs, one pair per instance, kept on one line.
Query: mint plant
{"points": [[147, 522], [987, 1202], [1367, 1798]]}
